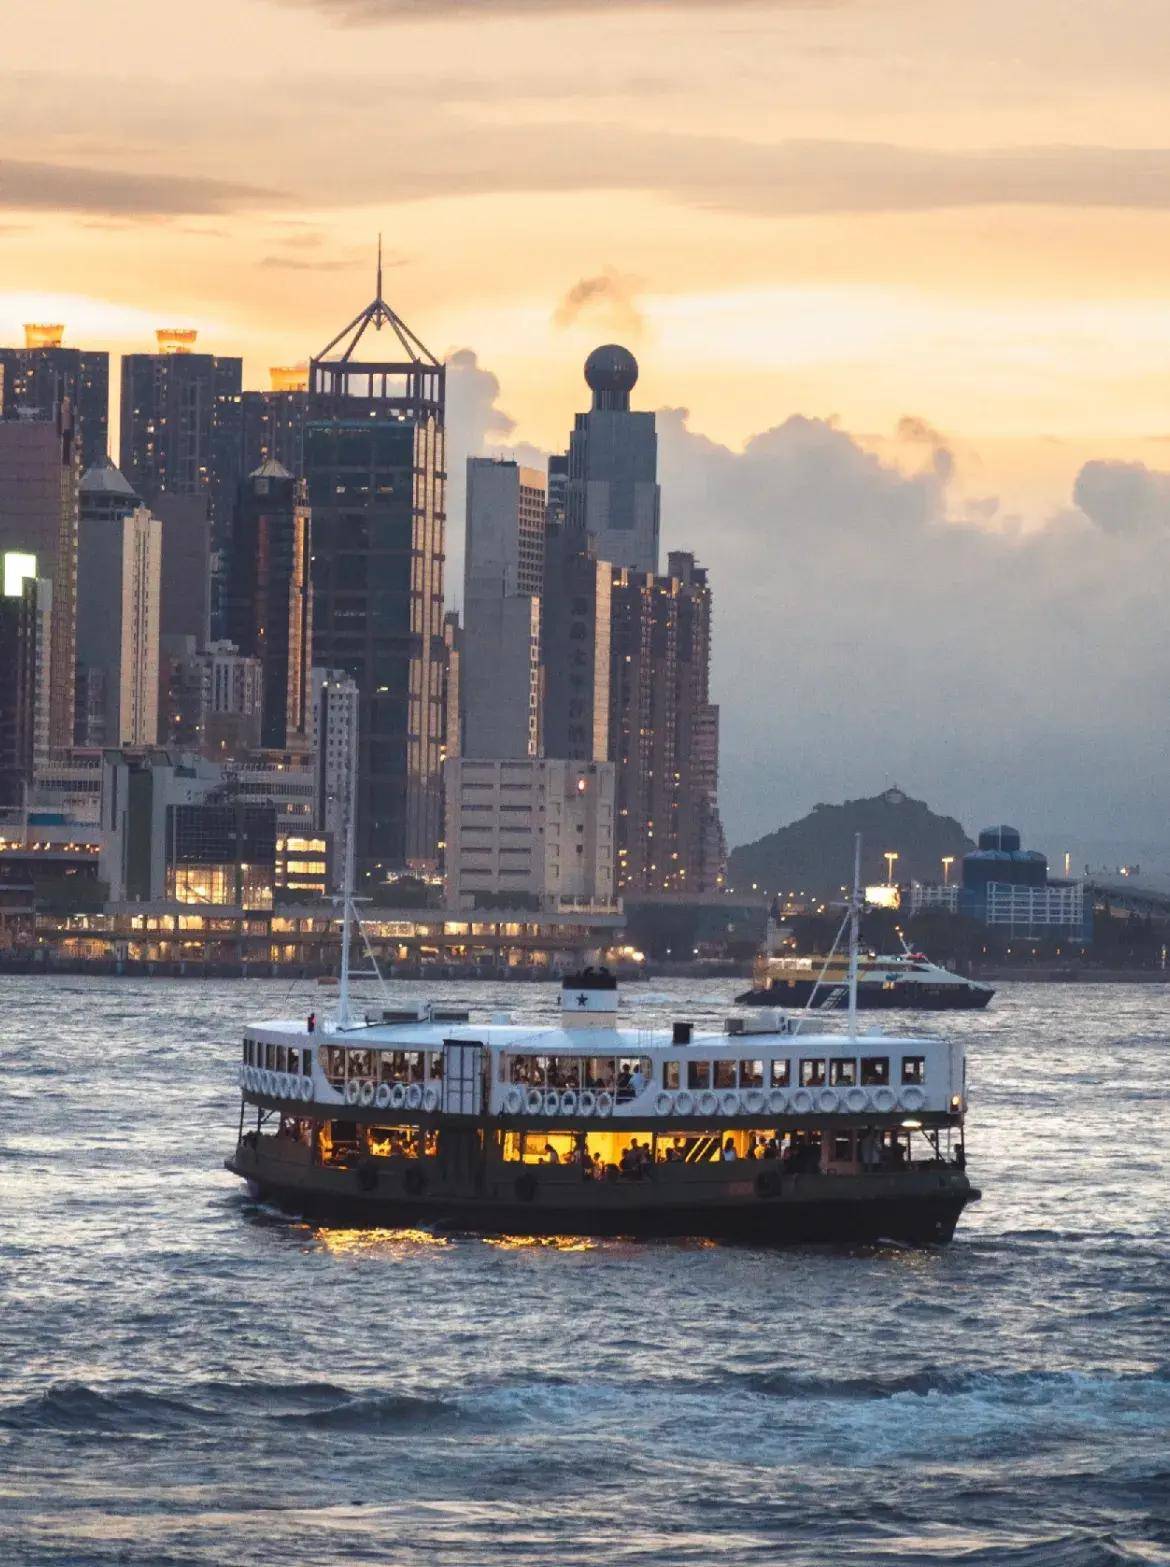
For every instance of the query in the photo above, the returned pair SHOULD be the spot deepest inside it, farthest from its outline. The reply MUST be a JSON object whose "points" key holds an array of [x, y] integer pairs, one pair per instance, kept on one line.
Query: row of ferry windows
{"points": [[277, 1058], [811, 1072]]}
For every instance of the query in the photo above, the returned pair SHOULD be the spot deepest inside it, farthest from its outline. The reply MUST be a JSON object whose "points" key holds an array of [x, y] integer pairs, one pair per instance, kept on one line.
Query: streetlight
{"points": [[947, 861], [890, 856]]}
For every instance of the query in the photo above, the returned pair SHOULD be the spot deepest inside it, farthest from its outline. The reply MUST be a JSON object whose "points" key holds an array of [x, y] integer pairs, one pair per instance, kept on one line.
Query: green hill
{"points": [[815, 854]]}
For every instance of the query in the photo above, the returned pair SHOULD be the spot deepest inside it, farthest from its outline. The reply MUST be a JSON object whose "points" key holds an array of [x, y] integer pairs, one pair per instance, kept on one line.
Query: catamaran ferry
{"points": [[891, 981]]}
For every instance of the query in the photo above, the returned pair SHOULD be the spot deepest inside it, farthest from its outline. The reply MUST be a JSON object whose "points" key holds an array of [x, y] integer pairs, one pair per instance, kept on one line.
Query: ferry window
{"points": [[914, 1069], [435, 1066], [842, 1073], [725, 1074], [414, 1065], [698, 1074], [334, 1062], [268, 1054], [294, 1062], [386, 1066], [564, 1072], [779, 1074], [842, 1148], [247, 1051], [812, 1074], [875, 1071], [602, 1073], [751, 1074], [671, 1077], [281, 1059]]}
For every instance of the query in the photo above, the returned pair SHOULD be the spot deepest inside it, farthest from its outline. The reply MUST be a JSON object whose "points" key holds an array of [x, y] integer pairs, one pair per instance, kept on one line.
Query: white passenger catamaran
{"points": [[766, 1132]]}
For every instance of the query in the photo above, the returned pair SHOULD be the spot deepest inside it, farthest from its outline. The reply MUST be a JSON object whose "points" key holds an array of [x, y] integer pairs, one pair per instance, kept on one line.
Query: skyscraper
{"points": [[175, 403], [375, 469], [503, 579], [43, 373], [612, 491], [575, 649], [270, 598], [26, 604], [119, 576], [663, 731], [38, 515]]}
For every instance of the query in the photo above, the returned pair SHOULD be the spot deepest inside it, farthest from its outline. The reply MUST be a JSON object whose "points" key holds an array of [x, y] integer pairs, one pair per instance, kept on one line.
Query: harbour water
{"points": [[189, 1379]]}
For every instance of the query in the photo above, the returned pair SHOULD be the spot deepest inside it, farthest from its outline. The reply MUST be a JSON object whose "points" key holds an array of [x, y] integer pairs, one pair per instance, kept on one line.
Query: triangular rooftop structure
{"points": [[377, 314], [103, 478], [270, 469]]}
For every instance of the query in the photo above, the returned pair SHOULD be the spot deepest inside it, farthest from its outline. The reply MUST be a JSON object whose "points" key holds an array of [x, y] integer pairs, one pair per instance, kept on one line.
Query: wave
{"points": [[935, 1382]]}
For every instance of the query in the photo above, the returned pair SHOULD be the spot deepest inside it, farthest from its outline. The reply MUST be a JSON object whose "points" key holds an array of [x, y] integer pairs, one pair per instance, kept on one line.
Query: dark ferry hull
{"points": [[918, 998], [754, 1203]]}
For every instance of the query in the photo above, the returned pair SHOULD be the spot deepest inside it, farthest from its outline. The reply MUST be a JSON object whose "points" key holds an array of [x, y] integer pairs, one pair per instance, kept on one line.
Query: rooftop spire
{"points": [[378, 314]]}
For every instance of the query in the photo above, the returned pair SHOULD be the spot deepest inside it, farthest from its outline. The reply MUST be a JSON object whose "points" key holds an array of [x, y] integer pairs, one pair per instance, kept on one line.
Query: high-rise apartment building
{"points": [[175, 406], [503, 574], [375, 470], [612, 493], [119, 577], [575, 649], [270, 598], [335, 753], [38, 515], [26, 603], [42, 374], [663, 732]]}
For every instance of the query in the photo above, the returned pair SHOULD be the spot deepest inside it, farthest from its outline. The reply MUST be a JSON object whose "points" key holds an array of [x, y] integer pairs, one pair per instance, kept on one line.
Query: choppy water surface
{"points": [[190, 1379]]}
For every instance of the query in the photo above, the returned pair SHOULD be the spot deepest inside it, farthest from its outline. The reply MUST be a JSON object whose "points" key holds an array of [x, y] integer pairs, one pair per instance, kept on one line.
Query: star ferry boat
{"points": [[762, 1133]]}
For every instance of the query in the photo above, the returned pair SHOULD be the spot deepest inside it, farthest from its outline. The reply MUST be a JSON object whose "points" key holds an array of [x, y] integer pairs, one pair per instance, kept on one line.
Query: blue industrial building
{"points": [[1008, 889]]}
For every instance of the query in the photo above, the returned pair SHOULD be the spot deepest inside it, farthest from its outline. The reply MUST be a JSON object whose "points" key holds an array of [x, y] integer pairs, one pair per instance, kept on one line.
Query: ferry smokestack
{"points": [[589, 999]]}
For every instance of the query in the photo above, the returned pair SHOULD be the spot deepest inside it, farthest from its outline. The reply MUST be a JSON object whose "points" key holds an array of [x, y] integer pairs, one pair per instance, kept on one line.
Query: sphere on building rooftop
{"points": [[611, 368]]}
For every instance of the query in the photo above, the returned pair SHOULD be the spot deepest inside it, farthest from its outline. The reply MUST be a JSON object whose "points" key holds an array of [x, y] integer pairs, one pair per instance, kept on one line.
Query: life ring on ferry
{"points": [[729, 1103], [307, 1089], [514, 1100], [552, 1101], [856, 1100], [753, 1100], [777, 1101], [413, 1180], [269, 1082], [802, 1101], [398, 1096], [366, 1095], [569, 1102], [913, 1098], [352, 1089], [414, 1096], [246, 1077], [382, 1096], [708, 1102], [430, 1098], [684, 1103], [664, 1104], [884, 1100], [828, 1100], [605, 1102], [587, 1103], [533, 1100]]}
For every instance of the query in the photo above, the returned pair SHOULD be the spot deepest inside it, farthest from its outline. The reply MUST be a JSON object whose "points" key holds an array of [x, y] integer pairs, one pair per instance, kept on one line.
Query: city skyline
{"points": [[913, 305]]}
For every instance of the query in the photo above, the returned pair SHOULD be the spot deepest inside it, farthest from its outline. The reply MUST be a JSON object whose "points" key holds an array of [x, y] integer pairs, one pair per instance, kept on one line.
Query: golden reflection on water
{"points": [[343, 1243], [551, 1242]]}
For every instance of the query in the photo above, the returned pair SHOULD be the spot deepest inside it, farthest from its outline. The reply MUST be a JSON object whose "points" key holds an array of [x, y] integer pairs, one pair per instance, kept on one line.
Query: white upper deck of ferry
{"points": [[585, 1064]]}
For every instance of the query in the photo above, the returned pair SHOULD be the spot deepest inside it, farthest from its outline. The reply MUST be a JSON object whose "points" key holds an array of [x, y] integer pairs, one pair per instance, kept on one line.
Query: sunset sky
{"points": [[943, 230]]}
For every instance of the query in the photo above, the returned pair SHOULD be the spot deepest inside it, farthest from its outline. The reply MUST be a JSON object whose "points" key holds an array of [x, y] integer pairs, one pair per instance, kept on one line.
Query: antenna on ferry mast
{"points": [[854, 934]]}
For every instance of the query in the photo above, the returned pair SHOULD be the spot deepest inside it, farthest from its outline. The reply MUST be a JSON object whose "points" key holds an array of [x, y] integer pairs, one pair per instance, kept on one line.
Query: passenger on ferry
{"points": [[551, 1156], [311, 1023], [637, 1080], [869, 1149], [625, 1089], [729, 1152]]}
